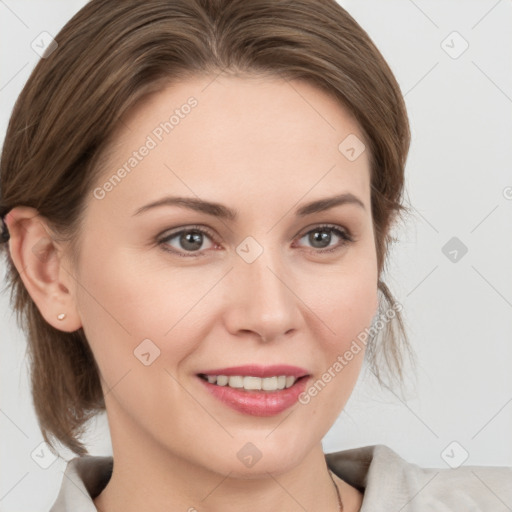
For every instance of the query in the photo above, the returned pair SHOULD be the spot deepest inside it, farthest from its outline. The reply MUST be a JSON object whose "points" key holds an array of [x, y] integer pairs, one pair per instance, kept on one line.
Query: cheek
{"points": [[345, 300], [345, 310], [126, 301]]}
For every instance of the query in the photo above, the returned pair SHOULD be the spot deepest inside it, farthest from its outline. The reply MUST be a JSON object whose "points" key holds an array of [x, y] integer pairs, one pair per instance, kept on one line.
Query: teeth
{"points": [[253, 383], [222, 380], [269, 383], [236, 382]]}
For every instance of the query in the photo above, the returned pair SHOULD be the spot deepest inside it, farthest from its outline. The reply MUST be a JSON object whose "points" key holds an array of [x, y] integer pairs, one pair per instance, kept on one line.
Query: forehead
{"points": [[236, 137]]}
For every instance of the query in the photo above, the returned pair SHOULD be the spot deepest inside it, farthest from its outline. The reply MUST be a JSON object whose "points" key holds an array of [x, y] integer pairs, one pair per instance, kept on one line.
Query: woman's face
{"points": [[240, 272]]}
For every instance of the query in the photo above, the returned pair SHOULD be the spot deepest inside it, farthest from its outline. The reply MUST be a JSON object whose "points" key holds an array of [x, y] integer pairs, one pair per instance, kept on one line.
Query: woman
{"points": [[197, 198]]}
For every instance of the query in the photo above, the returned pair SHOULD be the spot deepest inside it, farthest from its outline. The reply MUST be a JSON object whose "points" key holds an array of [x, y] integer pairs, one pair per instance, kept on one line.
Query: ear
{"points": [[38, 259]]}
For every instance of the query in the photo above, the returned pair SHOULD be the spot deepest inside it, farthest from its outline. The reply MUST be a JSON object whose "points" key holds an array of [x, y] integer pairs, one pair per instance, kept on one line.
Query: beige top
{"points": [[388, 482]]}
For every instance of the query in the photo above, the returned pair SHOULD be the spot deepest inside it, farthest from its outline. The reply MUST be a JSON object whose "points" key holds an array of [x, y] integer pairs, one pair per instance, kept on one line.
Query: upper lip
{"points": [[254, 370]]}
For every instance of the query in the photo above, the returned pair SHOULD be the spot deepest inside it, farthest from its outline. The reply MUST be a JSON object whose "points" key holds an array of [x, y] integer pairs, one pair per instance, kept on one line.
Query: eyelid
{"points": [[188, 227], [333, 227]]}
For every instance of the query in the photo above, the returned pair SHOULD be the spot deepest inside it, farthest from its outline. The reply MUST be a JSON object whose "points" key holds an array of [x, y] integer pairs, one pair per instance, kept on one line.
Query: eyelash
{"points": [[345, 236]]}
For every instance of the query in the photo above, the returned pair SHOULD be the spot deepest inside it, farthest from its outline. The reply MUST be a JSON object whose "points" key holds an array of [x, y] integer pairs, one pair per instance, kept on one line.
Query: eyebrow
{"points": [[224, 212]]}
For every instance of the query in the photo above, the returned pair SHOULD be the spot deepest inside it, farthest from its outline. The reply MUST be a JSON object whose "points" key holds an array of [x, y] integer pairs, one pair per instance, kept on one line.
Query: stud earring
{"points": [[61, 316]]}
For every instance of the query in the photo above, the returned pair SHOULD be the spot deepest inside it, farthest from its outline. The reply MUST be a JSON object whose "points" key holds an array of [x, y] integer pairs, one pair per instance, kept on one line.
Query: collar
{"points": [[384, 478]]}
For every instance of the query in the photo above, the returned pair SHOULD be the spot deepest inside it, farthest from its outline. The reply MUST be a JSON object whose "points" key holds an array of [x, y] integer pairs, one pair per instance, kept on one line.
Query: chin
{"points": [[256, 455]]}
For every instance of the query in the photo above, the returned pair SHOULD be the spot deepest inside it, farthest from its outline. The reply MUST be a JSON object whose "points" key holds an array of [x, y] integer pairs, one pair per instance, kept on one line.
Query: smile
{"points": [[249, 382]]}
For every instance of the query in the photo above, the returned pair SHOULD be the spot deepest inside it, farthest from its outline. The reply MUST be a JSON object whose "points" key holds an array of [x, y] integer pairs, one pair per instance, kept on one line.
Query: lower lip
{"points": [[257, 403]]}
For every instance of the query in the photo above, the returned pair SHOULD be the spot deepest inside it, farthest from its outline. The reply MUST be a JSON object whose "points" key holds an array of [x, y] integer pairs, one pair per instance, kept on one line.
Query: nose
{"points": [[262, 300]]}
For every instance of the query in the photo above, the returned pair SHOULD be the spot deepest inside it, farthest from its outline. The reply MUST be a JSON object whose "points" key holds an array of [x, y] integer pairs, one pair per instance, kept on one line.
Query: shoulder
{"points": [[83, 479], [387, 479]]}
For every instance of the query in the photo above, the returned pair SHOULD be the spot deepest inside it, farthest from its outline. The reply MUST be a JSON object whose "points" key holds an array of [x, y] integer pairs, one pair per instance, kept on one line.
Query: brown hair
{"points": [[110, 55]]}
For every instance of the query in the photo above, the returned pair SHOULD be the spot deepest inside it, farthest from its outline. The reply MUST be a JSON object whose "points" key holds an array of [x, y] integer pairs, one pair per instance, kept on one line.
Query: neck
{"points": [[148, 476]]}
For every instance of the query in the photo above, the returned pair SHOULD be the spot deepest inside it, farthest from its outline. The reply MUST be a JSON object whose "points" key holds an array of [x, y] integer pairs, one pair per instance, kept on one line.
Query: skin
{"points": [[264, 147]]}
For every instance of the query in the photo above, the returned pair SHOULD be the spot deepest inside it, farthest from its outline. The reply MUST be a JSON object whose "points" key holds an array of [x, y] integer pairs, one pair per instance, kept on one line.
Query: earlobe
{"points": [[38, 261]]}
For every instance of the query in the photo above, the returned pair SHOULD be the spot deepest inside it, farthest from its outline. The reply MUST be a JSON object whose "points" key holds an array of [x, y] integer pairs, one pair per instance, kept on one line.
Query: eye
{"points": [[190, 240], [321, 237]]}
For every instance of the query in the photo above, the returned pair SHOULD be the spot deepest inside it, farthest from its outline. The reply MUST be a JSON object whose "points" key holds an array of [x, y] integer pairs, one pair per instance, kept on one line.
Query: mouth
{"points": [[252, 383], [256, 390]]}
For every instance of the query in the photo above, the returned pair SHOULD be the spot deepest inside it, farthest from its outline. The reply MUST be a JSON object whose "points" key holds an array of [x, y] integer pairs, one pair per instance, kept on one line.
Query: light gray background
{"points": [[459, 182]]}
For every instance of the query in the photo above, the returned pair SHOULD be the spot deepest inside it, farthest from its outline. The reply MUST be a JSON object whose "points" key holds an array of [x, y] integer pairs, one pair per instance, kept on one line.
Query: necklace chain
{"points": [[340, 503]]}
